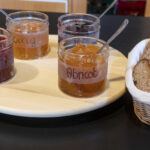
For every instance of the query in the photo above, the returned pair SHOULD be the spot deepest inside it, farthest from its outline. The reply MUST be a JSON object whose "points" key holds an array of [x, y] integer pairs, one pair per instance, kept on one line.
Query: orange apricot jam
{"points": [[82, 72], [30, 39]]}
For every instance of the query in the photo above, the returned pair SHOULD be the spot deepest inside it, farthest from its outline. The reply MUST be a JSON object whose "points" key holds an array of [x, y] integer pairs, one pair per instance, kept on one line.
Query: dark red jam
{"points": [[2, 38], [6, 59]]}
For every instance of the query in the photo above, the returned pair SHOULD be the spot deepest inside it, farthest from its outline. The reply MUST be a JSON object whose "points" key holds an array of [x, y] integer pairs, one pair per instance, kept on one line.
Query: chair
{"points": [[147, 9], [77, 6], [65, 6]]}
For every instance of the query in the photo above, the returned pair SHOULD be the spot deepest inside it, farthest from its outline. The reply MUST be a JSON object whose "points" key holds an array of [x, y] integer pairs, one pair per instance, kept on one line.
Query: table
{"points": [[114, 127]]}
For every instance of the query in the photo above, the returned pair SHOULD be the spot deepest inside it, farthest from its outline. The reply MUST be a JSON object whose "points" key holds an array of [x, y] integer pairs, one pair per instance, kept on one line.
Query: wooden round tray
{"points": [[34, 92]]}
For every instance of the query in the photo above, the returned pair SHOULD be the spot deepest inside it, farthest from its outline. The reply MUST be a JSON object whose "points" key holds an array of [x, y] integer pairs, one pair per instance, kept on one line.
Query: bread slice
{"points": [[141, 75], [146, 53], [141, 71]]}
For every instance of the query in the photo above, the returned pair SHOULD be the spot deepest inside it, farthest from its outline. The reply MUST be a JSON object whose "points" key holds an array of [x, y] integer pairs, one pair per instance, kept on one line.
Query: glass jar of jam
{"points": [[30, 32], [82, 72], [6, 55], [78, 24]]}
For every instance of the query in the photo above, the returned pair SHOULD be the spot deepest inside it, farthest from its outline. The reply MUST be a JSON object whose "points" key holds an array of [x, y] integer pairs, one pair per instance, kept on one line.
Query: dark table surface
{"points": [[114, 127]]}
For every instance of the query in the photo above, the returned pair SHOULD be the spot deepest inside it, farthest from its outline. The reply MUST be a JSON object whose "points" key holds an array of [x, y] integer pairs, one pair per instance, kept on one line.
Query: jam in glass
{"points": [[30, 34], [6, 55], [81, 71], [77, 24]]}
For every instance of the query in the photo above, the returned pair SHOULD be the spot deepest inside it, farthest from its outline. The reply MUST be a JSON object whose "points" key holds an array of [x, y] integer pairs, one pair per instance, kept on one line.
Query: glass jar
{"points": [[30, 32], [6, 55], [78, 24], [82, 72]]}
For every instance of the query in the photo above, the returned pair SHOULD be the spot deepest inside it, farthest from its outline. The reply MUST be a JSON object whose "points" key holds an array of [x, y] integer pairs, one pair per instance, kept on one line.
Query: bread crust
{"points": [[141, 74]]}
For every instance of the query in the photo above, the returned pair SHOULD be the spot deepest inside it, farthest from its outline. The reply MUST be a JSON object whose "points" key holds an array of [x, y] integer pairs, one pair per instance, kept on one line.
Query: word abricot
{"points": [[73, 74]]}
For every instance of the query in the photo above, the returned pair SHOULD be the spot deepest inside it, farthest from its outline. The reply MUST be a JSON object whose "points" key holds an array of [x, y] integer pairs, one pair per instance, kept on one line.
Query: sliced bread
{"points": [[141, 71]]}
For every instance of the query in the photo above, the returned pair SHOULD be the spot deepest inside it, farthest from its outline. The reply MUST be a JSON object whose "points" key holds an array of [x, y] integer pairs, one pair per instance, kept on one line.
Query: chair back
{"points": [[147, 8], [64, 6]]}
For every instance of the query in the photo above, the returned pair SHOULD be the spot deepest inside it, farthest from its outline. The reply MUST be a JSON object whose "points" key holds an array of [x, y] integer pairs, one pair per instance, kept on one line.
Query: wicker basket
{"points": [[141, 99]]}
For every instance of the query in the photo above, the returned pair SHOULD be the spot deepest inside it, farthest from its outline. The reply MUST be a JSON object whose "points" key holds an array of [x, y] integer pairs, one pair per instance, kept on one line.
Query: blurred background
{"points": [[123, 7]]}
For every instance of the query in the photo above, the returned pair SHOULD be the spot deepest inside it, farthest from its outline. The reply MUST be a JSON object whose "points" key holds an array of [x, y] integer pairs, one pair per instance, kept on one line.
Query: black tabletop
{"points": [[114, 127]]}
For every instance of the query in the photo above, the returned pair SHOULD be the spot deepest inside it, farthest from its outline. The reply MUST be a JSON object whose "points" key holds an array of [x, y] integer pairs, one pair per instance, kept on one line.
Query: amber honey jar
{"points": [[30, 34], [82, 72], [6, 55]]}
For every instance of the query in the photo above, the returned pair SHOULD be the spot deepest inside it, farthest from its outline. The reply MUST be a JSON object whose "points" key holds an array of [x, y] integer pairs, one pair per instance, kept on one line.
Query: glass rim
{"points": [[8, 38], [85, 37], [80, 14], [29, 12]]}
